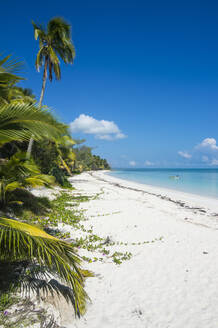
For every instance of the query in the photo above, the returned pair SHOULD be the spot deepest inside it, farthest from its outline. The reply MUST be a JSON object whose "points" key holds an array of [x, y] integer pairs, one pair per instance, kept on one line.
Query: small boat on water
{"points": [[174, 177]]}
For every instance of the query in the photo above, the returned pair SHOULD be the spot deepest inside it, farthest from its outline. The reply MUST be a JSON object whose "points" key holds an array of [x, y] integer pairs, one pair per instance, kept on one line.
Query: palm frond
{"points": [[23, 242], [58, 27], [8, 69], [65, 141], [39, 31], [12, 186], [40, 180], [11, 66], [39, 58], [20, 121]]}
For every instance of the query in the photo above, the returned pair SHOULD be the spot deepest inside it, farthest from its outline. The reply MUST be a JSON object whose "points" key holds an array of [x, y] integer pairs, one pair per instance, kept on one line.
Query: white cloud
{"points": [[184, 154], [101, 129], [148, 163], [205, 159], [209, 143], [214, 162], [132, 163], [105, 137]]}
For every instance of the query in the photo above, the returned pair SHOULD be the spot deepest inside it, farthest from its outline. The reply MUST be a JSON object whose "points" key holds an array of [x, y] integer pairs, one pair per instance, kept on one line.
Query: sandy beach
{"points": [[171, 280]]}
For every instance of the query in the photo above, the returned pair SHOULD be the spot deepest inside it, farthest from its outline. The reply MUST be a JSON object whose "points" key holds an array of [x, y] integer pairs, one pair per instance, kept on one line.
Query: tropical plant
{"points": [[6, 188], [20, 121], [18, 95], [19, 173], [31, 258], [54, 41], [56, 157], [8, 78], [66, 154], [85, 160]]}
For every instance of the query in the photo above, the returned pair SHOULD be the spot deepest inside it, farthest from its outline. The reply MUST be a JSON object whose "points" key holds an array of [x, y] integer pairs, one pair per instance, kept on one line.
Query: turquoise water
{"points": [[197, 181]]}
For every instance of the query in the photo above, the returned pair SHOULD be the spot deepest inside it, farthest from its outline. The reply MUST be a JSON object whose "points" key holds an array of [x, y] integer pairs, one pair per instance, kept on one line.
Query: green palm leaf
{"points": [[40, 180], [8, 78], [20, 121], [23, 242]]}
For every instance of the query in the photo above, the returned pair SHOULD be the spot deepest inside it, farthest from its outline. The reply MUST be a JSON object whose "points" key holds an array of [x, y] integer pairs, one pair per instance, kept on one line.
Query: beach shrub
{"points": [[16, 173]]}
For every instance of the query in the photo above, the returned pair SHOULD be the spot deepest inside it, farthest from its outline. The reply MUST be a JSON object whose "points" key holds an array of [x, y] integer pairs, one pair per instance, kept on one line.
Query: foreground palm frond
{"points": [[23, 242], [20, 121]]}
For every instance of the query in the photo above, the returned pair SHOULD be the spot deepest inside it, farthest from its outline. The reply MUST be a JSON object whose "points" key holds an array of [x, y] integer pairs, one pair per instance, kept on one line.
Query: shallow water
{"points": [[197, 181]]}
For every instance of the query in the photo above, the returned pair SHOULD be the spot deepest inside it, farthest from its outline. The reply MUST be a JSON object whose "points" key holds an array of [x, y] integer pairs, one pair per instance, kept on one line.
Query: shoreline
{"points": [[171, 278], [175, 195], [163, 189]]}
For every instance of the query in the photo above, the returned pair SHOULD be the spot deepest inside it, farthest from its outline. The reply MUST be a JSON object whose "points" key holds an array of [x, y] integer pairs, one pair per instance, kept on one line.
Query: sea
{"points": [[202, 182]]}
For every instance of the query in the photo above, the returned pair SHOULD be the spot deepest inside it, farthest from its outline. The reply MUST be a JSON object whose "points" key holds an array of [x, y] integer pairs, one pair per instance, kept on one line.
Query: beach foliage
{"points": [[18, 172], [20, 121], [86, 161], [64, 209], [8, 77], [32, 258], [34, 254]]}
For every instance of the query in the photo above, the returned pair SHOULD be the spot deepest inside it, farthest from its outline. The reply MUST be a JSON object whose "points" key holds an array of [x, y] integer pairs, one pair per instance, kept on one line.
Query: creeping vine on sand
{"points": [[65, 209]]}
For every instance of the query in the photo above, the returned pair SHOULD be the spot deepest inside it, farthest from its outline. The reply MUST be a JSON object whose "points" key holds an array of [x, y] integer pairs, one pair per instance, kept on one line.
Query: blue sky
{"points": [[147, 69]]}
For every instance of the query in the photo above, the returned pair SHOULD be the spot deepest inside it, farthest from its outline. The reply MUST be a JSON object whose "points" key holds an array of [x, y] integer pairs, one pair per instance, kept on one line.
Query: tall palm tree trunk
{"points": [[30, 145], [43, 82]]}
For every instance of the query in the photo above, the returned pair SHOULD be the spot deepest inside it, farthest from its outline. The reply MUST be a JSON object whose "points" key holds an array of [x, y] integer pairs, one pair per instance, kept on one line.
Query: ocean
{"points": [[196, 181]]}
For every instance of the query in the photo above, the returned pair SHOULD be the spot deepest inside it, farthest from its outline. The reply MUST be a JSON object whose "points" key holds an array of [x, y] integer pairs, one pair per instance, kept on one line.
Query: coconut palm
{"points": [[33, 257], [54, 43]]}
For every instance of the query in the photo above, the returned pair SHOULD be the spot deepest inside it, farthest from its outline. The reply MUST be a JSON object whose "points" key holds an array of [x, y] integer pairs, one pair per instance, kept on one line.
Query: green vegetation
{"points": [[54, 42], [33, 255], [27, 246], [65, 209], [86, 161]]}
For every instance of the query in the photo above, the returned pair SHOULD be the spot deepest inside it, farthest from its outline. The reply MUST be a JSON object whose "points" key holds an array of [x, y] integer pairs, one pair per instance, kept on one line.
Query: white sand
{"points": [[172, 283]]}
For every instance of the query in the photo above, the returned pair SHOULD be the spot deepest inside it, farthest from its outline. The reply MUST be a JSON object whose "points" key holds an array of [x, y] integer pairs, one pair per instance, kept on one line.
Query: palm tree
{"points": [[54, 43], [31, 258]]}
